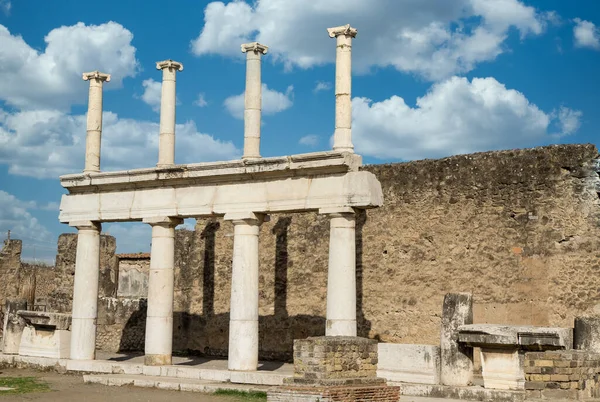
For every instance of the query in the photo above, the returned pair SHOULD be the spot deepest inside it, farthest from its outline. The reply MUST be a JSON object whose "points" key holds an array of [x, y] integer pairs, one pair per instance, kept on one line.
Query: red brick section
{"points": [[381, 393], [571, 374]]}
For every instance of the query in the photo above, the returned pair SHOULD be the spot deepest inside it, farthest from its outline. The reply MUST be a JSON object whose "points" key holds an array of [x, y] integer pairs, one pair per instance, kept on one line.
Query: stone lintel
{"points": [[163, 221], [342, 30], [60, 321], [254, 47], [96, 75], [169, 64], [516, 336]]}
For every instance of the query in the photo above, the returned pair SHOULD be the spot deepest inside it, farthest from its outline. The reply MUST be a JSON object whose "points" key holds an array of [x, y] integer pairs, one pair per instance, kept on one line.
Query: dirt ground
{"points": [[71, 388]]}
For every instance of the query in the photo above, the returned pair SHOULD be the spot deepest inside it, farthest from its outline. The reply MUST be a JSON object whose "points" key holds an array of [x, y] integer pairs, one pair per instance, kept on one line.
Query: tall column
{"points": [[85, 291], [252, 99], [243, 318], [159, 320], [94, 120], [342, 138], [166, 141], [341, 274]]}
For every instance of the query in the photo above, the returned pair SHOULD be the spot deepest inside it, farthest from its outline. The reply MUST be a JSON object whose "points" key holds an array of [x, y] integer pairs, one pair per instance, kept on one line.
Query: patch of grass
{"points": [[22, 385], [243, 395]]}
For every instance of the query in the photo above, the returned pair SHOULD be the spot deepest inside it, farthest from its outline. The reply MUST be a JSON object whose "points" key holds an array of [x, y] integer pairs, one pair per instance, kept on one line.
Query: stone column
{"points": [[341, 274], [85, 291], [252, 99], [13, 326], [166, 141], [342, 138], [159, 319], [457, 358], [243, 318], [94, 120]]}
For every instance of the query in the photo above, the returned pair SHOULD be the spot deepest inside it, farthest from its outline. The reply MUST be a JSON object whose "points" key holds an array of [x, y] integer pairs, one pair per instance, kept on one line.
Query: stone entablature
{"points": [[321, 181]]}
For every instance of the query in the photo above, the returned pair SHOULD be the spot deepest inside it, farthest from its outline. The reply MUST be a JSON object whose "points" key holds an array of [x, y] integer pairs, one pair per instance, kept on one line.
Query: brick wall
{"points": [[568, 374]]}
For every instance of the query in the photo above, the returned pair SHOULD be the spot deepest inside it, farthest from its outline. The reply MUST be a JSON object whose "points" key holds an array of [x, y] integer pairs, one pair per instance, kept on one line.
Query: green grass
{"points": [[243, 395], [22, 385]]}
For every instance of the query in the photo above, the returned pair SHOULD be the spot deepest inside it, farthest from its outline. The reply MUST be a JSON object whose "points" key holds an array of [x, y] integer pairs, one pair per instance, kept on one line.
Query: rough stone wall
{"points": [[133, 274], [10, 267], [518, 229]]}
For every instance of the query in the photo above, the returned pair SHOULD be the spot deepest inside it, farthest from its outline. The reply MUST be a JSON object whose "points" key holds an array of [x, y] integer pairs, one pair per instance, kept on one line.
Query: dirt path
{"points": [[71, 388]]}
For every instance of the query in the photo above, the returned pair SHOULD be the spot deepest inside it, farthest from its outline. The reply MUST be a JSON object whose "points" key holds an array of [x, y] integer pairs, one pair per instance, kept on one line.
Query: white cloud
{"points": [[272, 102], [201, 101], [586, 34], [309, 140], [322, 86], [52, 79], [456, 116], [568, 120], [431, 38], [152, 93], [15, 216], [5, 6], [49, 143]]}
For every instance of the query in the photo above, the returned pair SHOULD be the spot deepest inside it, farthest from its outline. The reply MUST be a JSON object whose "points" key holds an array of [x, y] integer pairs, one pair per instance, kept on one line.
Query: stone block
{"points": [[13, 326], [456, 358], [503, 369], [418, 364], [586, 334], [37, 341]]}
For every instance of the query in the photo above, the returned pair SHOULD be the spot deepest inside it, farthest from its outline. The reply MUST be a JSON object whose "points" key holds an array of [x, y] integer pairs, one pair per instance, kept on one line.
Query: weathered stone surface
{"points": [[525, 337], [409, 363], [456, 358], [59, 321], [586, 334], [13, 326]]}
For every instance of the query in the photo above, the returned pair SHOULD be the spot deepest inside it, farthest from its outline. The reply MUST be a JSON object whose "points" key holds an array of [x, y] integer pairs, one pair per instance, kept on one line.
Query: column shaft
{"points": [[94, 127], [166, 141], [341, 276], [85, 293], [252, 106], [159, 321], [243, 324]]}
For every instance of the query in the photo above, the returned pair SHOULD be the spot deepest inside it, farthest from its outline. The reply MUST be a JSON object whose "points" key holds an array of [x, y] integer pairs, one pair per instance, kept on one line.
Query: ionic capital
{"points": [[96, 75], [254, 47], [169, 64], [342, 30]]}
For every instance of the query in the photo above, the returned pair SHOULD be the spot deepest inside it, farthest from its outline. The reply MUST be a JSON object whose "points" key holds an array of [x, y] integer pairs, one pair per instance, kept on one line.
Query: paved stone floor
{"points": [[71, 388]]}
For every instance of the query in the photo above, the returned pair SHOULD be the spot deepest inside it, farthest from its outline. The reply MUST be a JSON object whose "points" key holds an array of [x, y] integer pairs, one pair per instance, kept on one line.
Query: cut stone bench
{"points": [[45, 334], [502, 348]]}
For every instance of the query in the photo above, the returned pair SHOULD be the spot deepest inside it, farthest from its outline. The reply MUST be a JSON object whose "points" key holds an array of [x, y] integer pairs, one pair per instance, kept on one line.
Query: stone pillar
{"points": [[587, 334], [159, 320], [94, 120], [457, 358], [341, 274], [85, 291], [342, 138], [243, 318], [252, 99], [166, 141], [13, 326]]}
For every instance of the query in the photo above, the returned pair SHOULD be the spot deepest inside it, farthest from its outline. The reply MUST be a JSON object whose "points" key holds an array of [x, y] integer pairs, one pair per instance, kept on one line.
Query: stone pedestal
{"points": [[159, 321], [456, 358], [587, 334], [45, 334], [85, 291], [13, 326], [502, 368], [340, 368]]}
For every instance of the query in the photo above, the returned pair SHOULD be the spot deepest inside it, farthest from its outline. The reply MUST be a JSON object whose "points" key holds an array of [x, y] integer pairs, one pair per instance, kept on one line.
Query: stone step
{"points": [[472, 393], [169, 383]]}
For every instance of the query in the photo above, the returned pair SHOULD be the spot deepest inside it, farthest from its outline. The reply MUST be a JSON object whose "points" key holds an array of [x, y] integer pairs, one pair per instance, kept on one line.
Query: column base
{"points": [[340, 328], [243, 345], [158, 360]]}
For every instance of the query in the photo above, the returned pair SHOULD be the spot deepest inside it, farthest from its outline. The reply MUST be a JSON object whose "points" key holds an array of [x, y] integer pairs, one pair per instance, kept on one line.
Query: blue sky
{"points": [[432, 78]]}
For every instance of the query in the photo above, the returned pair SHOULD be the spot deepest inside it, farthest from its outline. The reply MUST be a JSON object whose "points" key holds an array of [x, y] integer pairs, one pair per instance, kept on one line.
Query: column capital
{"points": [[246, 217], [160, 65], [255, 47], [86, 225], [342, 30], [336, 211], [165, 221], [96, 75]]}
